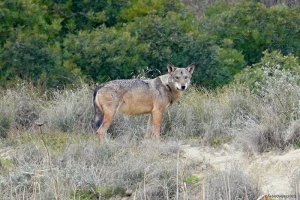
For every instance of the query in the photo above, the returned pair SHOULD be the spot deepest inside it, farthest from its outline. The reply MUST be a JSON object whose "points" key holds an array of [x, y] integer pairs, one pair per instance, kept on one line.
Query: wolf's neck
{"points": [[174, 93], [164, 79]]}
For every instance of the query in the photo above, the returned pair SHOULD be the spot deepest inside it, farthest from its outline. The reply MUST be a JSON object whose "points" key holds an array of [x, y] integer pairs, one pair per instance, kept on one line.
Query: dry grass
{"points": [[69, 110], [231, 184], [78, 166], [65, 161]]}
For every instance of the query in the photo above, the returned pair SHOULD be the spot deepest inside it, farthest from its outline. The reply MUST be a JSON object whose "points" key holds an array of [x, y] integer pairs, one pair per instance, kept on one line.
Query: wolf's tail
{"points": [[98, 111]]}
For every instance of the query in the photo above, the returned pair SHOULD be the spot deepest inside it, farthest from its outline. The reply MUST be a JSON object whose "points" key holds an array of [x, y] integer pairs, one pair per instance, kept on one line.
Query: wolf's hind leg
{"points": [[109, 102], [106, 122]]}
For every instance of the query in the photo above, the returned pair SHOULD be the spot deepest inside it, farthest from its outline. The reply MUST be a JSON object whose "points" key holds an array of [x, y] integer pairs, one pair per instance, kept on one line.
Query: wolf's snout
{"points": [[181, 87]]}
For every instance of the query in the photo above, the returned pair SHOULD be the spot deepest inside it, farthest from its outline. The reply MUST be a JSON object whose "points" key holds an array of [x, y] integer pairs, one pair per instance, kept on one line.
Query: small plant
{"points": [[5, 124], [86, 194], [220, 140], [5, 165], [101, 192], [297, 143], [192, 179]]}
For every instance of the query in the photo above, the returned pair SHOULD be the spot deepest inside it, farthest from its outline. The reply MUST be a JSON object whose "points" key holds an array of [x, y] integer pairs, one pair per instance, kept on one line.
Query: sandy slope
{"points": [[275, 173]]}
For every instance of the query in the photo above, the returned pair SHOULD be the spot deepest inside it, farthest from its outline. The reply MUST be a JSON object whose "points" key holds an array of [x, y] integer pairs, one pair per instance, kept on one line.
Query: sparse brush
{"points": [[84, 167], [70, 110], [217, 113], [231, 184], [180, 120], [6, 118], [128, 128], [275, 110], [19, 108]]}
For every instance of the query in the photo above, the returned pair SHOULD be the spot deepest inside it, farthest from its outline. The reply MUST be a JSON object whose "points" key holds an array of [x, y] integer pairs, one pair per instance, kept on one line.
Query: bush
{"points": [[104, 53], [274, 83], [271, 61], [252, 28], [33, 59], [25, 107]]}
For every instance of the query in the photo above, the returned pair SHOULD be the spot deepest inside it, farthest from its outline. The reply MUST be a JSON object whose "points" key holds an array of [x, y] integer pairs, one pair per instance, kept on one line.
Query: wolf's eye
{"points": [[177, 77], [185, 77]]}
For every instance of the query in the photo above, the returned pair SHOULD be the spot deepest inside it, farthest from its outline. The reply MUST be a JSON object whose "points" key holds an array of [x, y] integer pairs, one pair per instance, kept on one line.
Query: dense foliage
{"points": [[61, 42], [252, 28]]}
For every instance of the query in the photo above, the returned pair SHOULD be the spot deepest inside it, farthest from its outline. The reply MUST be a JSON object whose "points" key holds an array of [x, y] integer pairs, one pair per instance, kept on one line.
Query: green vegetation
{"points": [[5, 165], [192, 179], [220, 140], [251, 28], [62, 43], [105, 193]]}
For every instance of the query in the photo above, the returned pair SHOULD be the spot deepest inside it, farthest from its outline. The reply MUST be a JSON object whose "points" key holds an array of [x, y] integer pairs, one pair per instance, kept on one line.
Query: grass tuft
{"points": [[231, 184]]}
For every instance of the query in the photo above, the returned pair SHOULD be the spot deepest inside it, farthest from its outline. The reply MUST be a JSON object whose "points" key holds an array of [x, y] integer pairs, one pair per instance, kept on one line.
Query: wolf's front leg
{"points": [[157, 119], [149, 132]]}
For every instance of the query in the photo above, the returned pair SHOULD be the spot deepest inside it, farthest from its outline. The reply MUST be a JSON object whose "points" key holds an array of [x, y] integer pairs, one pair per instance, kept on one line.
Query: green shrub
{"points": [[192, 179], [253, 28], [104, 53], [271, 62]]}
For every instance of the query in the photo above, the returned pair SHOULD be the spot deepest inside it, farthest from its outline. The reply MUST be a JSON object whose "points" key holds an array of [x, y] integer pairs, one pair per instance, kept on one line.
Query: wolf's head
{"points": [[180, 78]]}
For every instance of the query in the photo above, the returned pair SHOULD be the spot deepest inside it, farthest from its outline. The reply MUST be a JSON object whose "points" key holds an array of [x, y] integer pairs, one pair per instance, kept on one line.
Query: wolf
{"points": [[136, 96]]}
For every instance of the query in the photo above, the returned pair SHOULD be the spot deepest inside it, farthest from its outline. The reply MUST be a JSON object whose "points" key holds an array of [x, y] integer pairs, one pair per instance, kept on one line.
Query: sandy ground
{"points": [[274, 172]]}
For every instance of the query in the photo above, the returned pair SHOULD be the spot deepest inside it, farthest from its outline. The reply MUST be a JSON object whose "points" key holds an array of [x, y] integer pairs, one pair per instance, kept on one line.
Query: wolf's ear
{"points": [[190, 68], [171, 68]]}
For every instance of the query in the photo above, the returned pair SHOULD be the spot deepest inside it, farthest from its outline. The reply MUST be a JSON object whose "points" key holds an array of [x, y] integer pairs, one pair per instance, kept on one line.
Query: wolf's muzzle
{"points": [[181, 88]]}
